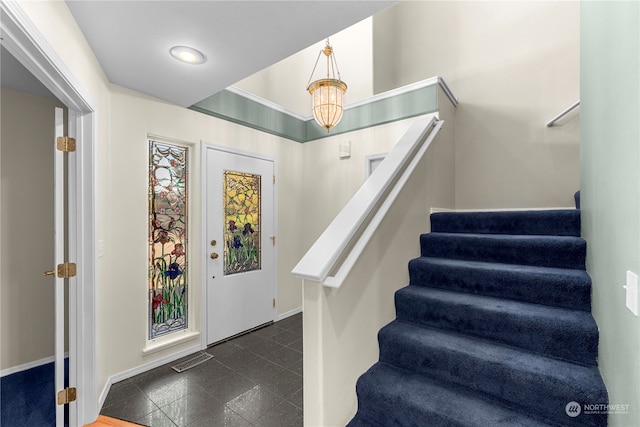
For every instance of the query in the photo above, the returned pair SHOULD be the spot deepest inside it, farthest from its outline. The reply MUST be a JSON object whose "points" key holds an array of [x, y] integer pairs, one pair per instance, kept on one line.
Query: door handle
{"points": [[214, 255], [49, 273]]}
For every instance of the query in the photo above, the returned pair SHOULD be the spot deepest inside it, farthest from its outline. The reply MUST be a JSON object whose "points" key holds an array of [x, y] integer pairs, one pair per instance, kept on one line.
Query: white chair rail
{"points": [[332, 256]]}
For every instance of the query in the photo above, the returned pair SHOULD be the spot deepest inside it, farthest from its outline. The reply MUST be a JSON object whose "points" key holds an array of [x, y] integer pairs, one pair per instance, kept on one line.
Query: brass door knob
{"points": [[213, 243], [214, 255]]}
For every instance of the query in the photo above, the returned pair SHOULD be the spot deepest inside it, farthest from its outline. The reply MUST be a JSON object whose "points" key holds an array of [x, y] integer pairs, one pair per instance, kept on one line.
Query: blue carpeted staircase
{"points": [[494, 329]]}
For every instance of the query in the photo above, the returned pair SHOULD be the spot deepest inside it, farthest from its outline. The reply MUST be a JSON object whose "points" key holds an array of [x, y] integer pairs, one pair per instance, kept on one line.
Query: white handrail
{"points": [[553, 121], [379, 190]]}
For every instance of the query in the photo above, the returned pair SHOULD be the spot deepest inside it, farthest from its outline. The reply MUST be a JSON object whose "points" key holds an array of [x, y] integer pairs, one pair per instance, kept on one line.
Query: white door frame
{"points": [[205, 243], [24, 41]]}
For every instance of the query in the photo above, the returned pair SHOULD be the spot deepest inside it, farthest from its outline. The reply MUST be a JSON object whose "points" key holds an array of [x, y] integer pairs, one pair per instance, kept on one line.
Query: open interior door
{"points": [[61, 269]]}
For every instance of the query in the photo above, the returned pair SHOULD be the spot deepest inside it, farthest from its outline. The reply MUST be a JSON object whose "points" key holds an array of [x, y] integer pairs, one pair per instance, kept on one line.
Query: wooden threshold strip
{"points": [[103, 421]]}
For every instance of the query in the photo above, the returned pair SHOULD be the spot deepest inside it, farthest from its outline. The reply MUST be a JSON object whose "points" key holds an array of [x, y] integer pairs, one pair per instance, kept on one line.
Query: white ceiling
{"points": [[131, 39]]}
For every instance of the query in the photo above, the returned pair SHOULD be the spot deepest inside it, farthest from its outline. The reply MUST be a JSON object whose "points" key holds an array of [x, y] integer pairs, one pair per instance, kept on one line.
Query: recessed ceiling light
{"points": [[188, 55]]}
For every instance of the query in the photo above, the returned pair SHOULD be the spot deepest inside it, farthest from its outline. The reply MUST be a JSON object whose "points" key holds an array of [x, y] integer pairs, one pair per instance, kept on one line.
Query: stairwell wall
{"points": [[513, 66], [610, 188]]}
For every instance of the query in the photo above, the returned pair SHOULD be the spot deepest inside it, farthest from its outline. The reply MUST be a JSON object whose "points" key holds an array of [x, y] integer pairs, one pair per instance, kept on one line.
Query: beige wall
{"points": [[26, 232], [513, 66], [330, 182]]}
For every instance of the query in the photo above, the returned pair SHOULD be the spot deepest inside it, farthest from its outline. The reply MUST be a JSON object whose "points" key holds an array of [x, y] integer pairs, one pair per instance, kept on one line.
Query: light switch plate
{"points": [[344, 149], [632, 292], [100, 248]]}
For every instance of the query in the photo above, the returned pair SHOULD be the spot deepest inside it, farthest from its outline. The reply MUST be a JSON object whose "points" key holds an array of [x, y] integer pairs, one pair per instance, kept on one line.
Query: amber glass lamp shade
{"points": [[327, 94]]}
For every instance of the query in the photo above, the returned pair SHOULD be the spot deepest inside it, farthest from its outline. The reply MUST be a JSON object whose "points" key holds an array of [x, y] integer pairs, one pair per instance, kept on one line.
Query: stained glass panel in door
{"points": [[241, 206]]}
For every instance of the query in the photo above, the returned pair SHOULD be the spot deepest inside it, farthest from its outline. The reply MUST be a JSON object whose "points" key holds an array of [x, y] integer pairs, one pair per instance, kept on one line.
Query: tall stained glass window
{"points": [[168, 249], [242, 222]]}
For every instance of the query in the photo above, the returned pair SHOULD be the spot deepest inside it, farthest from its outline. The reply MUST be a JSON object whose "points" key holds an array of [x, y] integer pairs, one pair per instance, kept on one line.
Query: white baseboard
{"points": [[142, 369], [436, 210], [30, 365], [289, 313]]}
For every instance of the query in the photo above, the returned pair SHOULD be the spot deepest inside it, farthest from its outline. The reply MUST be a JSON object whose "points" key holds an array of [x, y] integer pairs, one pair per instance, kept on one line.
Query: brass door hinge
{"points": [[274, 303], [273, 240], [66, 144], [67, 395], [66, 270], [274, 179]]}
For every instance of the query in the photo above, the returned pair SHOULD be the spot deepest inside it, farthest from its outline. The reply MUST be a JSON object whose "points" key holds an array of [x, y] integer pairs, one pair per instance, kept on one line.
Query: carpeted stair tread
{"points": [[506, 373], [543, 251], [494, 328], [395, 397], [559, 287], [562, 333], [558, 222]]}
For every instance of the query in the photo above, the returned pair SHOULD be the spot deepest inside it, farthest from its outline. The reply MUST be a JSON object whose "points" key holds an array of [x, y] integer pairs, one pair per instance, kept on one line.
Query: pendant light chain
{"points": [[314, 68]]}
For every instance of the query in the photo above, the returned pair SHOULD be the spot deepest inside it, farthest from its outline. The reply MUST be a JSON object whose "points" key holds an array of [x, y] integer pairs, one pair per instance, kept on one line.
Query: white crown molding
{"points": [[272, 105]]}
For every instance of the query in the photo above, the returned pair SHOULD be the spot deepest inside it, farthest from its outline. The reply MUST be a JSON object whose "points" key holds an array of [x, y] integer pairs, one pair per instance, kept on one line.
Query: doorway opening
{"points": [[27, 242]]}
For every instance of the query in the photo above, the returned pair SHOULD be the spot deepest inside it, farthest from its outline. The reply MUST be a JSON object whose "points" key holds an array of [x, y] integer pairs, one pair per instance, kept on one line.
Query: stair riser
{"points": [[553, 290], [568, 252], [490, 376], [554, 222], [574, 341]]}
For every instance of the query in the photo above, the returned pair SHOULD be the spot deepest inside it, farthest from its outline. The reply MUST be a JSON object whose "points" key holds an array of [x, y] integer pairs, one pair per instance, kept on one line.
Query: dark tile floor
{"points": [[253, 380]]}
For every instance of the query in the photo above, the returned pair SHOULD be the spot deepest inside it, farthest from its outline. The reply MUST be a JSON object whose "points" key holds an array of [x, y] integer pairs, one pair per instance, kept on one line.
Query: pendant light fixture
{"points": [[327, 94]]}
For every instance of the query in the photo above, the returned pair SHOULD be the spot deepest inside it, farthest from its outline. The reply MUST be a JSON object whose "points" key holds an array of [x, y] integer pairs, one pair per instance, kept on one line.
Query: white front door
{"points": [[241, 243]]}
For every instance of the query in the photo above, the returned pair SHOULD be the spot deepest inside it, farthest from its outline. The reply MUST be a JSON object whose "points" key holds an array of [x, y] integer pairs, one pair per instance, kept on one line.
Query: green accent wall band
{"points": [[236, 108]]}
